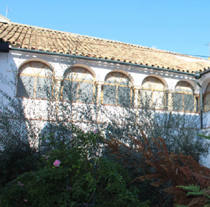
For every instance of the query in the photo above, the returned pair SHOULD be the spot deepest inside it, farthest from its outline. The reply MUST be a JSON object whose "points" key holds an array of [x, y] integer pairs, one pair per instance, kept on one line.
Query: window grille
{"points": [[183, 97], [78, 86], [153, 94], [117, 90], [35, 80]]}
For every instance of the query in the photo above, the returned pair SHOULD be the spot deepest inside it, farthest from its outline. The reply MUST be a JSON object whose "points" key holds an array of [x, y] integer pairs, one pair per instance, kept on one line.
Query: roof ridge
{"points": [[112, 41]]}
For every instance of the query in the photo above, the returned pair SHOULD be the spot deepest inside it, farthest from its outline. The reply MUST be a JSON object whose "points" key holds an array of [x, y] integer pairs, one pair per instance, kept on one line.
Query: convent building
{"points": [[66, 69]]}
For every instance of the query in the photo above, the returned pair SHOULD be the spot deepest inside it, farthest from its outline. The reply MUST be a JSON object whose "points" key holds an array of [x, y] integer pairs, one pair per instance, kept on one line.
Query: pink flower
{"points": [[46, 156], [95, 131], [25, 200], [56, 163]]}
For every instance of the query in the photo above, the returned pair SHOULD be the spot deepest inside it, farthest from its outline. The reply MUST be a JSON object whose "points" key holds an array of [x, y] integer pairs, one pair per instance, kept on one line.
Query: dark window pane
{"points": [[85, 92], [145, 98], [132, 103], [196, 105], [44, 88], [26, 86], [125, 82], [206, 102], [70, 90], [124, 96], [111, 80], [189, 102], [96, 91], [178, 102], [166, 103], [109, 95]]}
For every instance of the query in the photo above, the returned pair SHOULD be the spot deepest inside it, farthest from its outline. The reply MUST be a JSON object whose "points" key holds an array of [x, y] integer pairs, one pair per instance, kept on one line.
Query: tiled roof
{"points": [[42, 39]]}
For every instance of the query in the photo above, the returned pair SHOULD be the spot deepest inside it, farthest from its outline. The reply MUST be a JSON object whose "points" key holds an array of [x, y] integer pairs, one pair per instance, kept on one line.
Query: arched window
{"points": [[117, 90], [153, 93], [183, 98], [207, 98], [78, 86], [35, 80]]}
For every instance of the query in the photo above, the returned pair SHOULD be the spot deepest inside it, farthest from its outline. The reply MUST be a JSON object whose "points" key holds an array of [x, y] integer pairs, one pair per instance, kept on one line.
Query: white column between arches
{"points": [[99, 87]]}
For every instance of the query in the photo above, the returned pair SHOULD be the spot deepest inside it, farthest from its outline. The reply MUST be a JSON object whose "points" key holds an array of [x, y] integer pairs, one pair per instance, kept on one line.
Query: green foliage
{"points": [[193, 191], [193, 188], [16, 160], [179, 130], [16, 154], [204, 136], [81, 177]]}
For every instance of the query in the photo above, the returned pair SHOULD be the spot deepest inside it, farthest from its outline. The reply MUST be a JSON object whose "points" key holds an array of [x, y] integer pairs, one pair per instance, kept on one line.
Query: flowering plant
{"points": [[56, 163], [80, 178]]}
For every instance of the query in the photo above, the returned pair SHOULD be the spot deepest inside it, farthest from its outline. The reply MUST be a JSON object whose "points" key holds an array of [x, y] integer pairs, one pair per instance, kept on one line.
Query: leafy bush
{"points": [[72, 174], [16, 160], [197, 197], [151, 163]]}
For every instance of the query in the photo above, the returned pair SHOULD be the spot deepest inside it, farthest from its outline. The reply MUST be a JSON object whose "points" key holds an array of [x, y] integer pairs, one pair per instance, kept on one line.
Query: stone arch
{"points": [[206, 92], [184, 96], [153, 92], [121, 71], [117, 89], [81, 66], [35, 60], [78, 84], [35, 79], [158, 77], [205, 83], [191, 82]]}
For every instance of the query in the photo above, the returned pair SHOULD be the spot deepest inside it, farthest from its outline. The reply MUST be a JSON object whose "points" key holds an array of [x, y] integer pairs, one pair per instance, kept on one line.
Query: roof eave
{"points": [[99, 59]]}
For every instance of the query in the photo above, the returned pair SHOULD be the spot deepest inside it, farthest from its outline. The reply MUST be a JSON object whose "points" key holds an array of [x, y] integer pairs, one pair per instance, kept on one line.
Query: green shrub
{"points": [[197, 197], [16, 160], [72, 174]]}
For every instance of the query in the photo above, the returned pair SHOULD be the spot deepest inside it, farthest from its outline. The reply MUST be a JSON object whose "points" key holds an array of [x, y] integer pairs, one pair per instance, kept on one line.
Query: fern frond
{"points": [[164, 145], [192, 187], [206, 192], [194, 193], [160, 166], [204, 136]]}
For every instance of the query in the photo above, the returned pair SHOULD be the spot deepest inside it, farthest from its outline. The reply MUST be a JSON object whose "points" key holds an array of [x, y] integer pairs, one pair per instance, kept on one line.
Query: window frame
{"points": [[204, 98], [35, 76], [153, 89], [78, 80], [117, 85], [183, 93]]}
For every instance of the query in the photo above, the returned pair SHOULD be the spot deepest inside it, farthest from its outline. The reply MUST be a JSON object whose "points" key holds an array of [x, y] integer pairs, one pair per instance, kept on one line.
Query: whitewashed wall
{"points": [[36, 109], [14, 59]]}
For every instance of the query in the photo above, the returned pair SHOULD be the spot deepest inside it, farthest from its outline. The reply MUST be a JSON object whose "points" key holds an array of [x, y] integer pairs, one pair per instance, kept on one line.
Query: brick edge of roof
{"points": [[100, 57], [107, 40]]}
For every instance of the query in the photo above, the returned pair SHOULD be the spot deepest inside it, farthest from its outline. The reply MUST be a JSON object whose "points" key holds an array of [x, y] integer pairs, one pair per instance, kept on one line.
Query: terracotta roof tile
{"points": [[35, 38]]}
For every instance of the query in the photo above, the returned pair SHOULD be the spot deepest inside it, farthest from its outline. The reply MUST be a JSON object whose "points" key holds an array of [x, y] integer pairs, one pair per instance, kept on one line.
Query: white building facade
{"points": [[56, 72]]}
